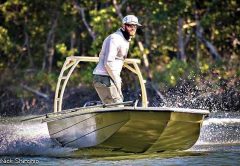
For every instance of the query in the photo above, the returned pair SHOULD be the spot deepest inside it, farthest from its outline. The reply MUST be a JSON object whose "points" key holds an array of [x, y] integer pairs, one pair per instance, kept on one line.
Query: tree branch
{"points": [[213, 51], [45, 96], [27, 43], [81, 12], [199, 34], [49, 45], [118, 9]]}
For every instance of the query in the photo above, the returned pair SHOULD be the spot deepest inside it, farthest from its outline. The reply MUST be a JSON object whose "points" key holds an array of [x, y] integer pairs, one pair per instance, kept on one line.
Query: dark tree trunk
{"points": [[181, 49], [49, 45]]}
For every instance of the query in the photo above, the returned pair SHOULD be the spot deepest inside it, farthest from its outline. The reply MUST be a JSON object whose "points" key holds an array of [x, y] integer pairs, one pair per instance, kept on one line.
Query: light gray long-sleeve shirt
{"points": [[114, 50]]}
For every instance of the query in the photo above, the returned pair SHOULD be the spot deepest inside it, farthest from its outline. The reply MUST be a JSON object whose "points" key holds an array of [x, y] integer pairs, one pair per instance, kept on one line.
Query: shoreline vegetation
{"points": [[18, 99], [189, 51]]}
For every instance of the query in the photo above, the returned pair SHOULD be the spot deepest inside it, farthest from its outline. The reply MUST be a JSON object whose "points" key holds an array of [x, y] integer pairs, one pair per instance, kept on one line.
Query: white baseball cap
{"points": [[131, 19]]}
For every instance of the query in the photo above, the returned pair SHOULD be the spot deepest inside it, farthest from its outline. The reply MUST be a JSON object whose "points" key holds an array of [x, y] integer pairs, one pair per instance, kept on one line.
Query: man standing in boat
{"points": [[106, 79]]}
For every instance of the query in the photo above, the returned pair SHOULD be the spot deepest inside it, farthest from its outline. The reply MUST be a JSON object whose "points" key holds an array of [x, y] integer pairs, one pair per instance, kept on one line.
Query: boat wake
{"points": [[219, 132], [32, 138]]}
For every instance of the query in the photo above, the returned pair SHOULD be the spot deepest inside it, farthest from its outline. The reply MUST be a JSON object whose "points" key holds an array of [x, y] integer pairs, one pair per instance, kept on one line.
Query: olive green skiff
{"points": [[128, 129]]}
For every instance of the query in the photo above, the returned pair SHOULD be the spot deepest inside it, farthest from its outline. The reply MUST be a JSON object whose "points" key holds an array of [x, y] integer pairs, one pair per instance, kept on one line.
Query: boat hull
{"points": [[127, 129]]}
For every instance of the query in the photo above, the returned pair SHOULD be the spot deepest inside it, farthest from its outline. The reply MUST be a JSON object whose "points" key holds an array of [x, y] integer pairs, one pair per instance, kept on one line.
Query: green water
{"points": [[218, 157]]}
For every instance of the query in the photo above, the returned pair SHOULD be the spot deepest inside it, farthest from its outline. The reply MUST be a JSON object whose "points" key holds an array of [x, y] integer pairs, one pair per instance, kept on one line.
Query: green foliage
{"points": [[27, 26], [82, 75], [62, 49], [6, 44], [37, 80], [104, 22], [174, 71], [42, 79], [86, 73]]}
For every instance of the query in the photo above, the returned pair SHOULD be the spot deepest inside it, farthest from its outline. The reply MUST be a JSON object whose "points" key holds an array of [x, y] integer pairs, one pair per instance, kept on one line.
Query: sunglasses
{"points": [[131, 25]]}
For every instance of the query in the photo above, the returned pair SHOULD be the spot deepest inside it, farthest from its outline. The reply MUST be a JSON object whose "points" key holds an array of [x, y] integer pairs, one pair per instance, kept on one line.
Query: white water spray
{"points": [[28, 139], [220, 131]]}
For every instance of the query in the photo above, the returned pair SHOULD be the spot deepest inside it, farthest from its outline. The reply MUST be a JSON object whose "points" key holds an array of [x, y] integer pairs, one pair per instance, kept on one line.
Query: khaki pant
{"points": [[106, 89]]}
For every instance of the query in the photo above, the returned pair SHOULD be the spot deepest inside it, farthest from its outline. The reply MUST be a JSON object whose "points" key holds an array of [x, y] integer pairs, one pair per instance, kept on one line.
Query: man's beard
{"points": [[126, 34]]}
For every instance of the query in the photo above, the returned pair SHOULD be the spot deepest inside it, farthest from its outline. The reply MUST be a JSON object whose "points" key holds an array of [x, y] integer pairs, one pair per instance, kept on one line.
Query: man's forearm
{"points": [[116, 82]]}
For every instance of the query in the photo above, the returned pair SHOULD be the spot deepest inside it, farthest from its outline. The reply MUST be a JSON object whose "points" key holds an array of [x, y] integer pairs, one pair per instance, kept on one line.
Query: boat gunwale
{"points": [[65, 114]]}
